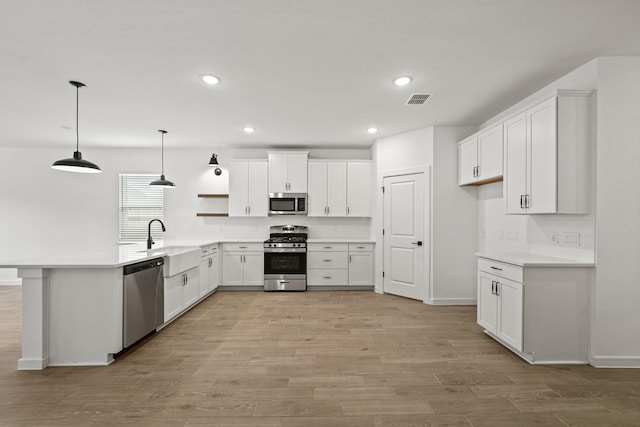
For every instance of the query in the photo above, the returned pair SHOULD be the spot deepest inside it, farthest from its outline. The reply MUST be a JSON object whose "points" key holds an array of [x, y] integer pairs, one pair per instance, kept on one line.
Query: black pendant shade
{"points": [[163, 182], [214, 162], [77, 163]]}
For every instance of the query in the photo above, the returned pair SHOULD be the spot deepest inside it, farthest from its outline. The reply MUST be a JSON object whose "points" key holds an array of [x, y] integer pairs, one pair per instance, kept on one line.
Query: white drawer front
{"points": [[324, 247], [360, 247], [501, 269], [327, 260], [243, 247], [204, 251], [317, 277]]}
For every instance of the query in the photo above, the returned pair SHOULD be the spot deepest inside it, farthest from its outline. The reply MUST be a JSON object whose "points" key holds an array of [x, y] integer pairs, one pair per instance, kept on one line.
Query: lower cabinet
{"points": [[242, 264], [339, 264], [180, 291], [539, 311], [209, 270]]}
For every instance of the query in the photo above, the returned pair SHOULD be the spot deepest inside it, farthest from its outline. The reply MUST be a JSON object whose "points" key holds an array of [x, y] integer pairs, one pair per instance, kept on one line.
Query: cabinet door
{"points": [[238, 188], [337, 189], [203, 277], [278, 173], [258, 196], [298, 173], [359, 189], [510, 312], [361, 268], [515, 164], [490, 153], [487, 309], [214, 272], [232, 269], [190, 288], [172, 296], [253, 268], [317, 194], [543, 166], [467, 161]]}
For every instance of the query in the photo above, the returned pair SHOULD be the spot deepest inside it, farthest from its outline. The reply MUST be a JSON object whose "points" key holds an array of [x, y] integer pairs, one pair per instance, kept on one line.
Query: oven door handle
{"points": [[285, 250]]}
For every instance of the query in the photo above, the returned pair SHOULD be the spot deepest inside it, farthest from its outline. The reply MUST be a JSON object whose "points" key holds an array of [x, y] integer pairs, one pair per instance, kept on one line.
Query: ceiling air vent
{"points": [[417, 99]]}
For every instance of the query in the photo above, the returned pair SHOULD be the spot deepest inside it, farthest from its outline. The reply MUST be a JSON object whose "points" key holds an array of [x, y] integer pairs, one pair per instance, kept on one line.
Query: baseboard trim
{"points": [[614, 361], [451, 301], [32, 364]]}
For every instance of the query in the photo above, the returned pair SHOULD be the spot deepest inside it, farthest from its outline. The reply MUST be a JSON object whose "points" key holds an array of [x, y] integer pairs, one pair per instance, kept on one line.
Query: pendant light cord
{"points": [[162, 132], [77, 118]]}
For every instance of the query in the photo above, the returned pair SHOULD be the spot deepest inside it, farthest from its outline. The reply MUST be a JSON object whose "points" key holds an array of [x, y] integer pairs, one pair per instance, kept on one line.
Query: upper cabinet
{"points": [[248, 188], [546, 153], [340, 188], [480, 157], [288, 171]]}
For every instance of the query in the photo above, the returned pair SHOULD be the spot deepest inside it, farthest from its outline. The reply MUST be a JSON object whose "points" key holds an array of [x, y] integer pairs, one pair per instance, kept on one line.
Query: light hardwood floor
{"points": [[313, 359]]}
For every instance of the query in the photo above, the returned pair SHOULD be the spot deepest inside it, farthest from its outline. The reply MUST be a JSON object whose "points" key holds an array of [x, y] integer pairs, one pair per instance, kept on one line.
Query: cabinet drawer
{"points": [[327, 260], [360, 247], [501, 269], [326, 277], [243, 247], [204, 251], [325, 247]]}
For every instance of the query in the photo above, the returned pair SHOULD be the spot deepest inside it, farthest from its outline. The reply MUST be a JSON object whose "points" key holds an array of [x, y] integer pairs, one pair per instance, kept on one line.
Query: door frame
{"points": [[428, 231]]}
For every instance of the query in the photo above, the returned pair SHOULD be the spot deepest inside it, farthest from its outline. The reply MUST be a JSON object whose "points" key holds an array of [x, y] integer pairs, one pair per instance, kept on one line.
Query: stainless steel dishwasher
{"points": [[143, 299]]}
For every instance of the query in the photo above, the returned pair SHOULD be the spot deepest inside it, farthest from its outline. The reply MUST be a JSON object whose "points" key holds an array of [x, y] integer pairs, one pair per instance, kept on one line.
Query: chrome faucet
{"points": [[150, 241]]}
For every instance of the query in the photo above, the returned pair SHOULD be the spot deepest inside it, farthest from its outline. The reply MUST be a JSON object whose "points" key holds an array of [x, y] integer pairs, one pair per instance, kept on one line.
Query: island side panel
{"points": [[35, 318], [85, 320]]}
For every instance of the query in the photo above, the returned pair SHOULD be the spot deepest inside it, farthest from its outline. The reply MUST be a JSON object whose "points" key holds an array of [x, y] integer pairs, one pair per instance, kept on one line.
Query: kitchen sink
{"points": [[176, 258]]}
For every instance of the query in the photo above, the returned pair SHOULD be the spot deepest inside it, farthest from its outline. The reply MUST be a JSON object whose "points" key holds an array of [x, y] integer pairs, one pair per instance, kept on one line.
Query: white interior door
{"points": [[404, 236]]}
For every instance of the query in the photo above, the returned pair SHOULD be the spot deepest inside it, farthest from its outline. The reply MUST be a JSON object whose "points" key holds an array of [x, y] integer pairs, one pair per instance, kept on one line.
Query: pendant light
{"points": [[77, 163], [214, 162], [162, 182]]}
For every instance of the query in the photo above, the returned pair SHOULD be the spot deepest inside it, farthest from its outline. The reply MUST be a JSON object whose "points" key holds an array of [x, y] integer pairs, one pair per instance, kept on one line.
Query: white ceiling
{"points": [[312, 73]]}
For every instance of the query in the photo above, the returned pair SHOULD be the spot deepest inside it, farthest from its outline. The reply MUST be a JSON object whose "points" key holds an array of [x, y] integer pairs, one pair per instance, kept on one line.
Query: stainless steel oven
{"points": [[285, 259]]}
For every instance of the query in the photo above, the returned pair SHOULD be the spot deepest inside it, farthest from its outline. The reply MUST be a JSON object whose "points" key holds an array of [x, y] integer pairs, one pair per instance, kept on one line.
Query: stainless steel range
{"points": [[285, 258]]}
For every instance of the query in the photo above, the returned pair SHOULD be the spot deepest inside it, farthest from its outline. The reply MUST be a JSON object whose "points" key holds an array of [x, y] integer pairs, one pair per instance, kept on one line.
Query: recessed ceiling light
{"points": [[402, 81], [210, 79], [372, 130], [249, 129]]}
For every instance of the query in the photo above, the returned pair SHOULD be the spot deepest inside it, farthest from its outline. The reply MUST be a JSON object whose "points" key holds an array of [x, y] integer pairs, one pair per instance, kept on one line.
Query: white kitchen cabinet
{"points": [[539, 311], [242, 264], [248, 195], [359, 185], [546, 153], [288, 172], [327, 194], [209, 270], [480, 157], [361, 264], [180, 292]]}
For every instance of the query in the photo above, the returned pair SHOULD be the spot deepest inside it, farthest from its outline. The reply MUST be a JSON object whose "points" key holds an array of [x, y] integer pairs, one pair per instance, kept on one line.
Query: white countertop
{"points": [[525, 259]]}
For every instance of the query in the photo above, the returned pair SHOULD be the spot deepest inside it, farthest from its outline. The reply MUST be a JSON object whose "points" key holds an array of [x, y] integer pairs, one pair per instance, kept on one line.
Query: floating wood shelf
{"points": [[214, 196], [211, 214]]}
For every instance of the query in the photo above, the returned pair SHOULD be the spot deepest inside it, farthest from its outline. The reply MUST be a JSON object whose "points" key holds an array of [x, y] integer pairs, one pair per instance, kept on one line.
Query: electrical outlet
{"points": [[569, 238], [554, 237], [511, 235]]}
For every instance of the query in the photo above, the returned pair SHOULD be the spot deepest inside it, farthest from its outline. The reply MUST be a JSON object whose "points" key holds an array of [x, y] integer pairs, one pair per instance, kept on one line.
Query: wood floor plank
{"points": [[334, 358]]}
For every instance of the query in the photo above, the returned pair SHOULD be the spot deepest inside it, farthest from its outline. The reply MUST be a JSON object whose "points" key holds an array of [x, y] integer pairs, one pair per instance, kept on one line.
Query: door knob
{"points": [[419, 243]]}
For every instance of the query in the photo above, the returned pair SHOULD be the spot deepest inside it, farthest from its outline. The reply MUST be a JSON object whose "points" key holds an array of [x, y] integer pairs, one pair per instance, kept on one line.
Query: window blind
{"points": [[139, 204]]}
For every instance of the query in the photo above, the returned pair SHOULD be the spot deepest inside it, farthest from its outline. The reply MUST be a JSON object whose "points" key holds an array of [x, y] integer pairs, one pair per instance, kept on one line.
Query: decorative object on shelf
{"points": [[214, 162], [162, 182], [77, 163]]}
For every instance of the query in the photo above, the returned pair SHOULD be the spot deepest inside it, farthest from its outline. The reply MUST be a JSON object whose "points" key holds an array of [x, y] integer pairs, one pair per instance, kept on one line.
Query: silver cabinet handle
{"points": [[326, 260], [328, 210], [526, 201], [498, 288], [242, 247], [522, 201], [327, 247], [477, 171], [418, 243], [493, 287], [361, 247], [347, 210], [496, 268], [326, 277], [349, 259]]}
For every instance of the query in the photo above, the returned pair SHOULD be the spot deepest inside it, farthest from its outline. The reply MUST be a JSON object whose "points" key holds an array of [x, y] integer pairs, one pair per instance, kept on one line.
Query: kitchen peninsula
{"points": [[72, 303]]}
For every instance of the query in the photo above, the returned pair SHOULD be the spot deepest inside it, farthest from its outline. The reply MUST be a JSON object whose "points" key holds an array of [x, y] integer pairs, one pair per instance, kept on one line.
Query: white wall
{"points": [[616, 298], [450, 264], [43, 209]]}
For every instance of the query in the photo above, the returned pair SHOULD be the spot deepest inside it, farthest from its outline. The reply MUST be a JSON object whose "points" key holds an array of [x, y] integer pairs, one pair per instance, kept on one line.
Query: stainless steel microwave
{"points": [[287, 203]]}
